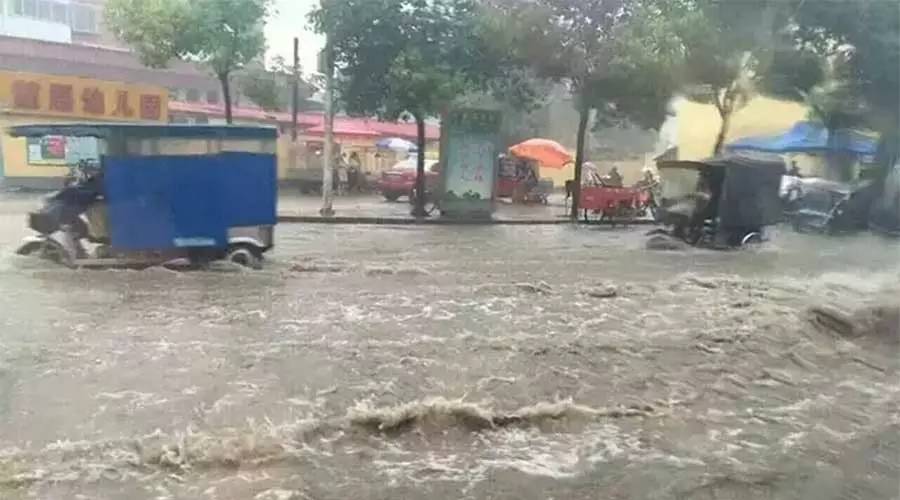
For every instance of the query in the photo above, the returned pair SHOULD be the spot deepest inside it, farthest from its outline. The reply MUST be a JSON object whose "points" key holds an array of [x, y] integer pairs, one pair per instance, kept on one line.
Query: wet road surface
{"points": [[453, 362]]}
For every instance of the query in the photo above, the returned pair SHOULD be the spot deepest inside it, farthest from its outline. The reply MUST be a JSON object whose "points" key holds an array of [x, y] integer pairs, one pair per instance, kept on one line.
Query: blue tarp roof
{"points": [[104, 130], [807, 137]]}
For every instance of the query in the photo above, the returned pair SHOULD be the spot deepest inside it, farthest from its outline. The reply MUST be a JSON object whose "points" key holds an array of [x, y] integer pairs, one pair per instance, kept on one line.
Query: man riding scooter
{"points": [[64, 208]]}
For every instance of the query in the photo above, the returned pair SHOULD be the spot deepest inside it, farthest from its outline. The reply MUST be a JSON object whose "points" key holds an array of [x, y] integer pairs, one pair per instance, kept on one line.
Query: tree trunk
{"points": [[725, 107], [723, 131], [327, 209], [295, 90], [226, 94], [833, 167], [419, 209], [584, 112], [720, 137]]}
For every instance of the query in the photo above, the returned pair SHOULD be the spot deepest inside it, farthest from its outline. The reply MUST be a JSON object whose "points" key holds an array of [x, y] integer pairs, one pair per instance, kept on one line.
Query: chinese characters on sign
{"points": [[475, 120], [151, 107], [79, 97], [93, 101], [26, 95], [123, 109], [61, 98]]}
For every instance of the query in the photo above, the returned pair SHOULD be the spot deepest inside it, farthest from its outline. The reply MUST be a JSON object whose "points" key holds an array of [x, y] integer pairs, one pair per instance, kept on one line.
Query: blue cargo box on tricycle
{"points": [[158, 194]]}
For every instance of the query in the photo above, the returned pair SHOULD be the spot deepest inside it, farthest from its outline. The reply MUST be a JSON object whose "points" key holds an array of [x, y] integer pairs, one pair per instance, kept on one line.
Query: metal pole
{"points": [[295, 97], [328, 161]]}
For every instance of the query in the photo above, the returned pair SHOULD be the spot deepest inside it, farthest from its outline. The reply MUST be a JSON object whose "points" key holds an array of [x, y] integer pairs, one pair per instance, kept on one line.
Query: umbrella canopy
{"points": [[396, 144], [549, 153], [808, 137]]}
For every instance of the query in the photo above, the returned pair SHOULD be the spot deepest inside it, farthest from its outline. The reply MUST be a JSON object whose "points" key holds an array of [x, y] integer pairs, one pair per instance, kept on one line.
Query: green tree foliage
{"points": [[617, 56], [397, 57], [270, 87], [223, 34], [868, 33], [519, 96], [732, 50], [837, 104], [643, 72]]}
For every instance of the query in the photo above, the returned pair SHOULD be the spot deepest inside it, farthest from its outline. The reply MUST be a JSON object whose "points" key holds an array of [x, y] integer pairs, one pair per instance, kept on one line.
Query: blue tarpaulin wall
{"points": [[807, 137], [166, 202]]}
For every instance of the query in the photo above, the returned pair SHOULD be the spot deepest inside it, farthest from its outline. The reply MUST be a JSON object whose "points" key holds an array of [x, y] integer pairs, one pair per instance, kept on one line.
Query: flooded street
{"points": [[380, 362]]}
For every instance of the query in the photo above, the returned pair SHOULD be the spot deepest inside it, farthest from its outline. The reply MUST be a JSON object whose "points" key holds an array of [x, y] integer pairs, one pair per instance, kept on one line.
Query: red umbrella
{"points": [[549, 153]]}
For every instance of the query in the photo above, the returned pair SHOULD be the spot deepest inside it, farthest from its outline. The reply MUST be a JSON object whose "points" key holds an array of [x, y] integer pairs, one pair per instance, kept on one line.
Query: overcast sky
{"points": [[290, 21]]}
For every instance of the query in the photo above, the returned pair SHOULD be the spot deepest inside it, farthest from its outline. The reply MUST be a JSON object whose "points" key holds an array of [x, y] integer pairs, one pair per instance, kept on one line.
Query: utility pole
{"points": [[295, 84], [328, 161]]}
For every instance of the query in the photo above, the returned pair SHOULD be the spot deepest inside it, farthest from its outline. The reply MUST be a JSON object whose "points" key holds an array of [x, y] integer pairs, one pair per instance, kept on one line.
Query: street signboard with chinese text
{"points": [[469, 152], [81, 98]]}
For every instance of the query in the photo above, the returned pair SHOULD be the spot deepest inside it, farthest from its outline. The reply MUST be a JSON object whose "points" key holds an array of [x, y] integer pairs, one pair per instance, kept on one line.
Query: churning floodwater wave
{"points": [[447, 363]]}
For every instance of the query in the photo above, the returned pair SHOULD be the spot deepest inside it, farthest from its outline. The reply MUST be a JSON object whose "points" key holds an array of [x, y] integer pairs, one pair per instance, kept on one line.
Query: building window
{"points": [[29, 8], [44, 9], [84, 19], [60, 13], [212, 96]]}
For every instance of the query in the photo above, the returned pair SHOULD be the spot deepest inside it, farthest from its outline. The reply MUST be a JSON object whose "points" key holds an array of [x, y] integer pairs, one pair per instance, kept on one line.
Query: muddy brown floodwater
{"points": [[456, 362]]}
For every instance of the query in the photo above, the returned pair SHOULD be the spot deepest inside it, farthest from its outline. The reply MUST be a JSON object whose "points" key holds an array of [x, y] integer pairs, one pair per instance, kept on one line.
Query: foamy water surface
{"points": [[439, 362]]}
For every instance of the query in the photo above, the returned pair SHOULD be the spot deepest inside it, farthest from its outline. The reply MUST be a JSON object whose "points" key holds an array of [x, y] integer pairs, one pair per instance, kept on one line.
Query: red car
{"points": [[400, 180]]}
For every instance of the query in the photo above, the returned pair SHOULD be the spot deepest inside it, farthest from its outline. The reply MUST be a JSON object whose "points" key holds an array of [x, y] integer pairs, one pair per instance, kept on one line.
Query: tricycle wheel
{"points": [[30, 248], [54, 251], [245, 255], [753, 238]]}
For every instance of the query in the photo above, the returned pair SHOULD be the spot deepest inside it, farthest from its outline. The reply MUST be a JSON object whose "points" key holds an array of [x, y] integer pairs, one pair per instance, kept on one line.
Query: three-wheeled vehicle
{"points": [[721, 202], [518, 178], [824, 206], [160, 194]]}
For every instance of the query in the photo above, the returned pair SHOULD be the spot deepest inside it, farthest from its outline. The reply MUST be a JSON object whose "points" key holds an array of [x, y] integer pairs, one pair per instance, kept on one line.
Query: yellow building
{"points": [[27, 98], [697, 127], [698, 124]]}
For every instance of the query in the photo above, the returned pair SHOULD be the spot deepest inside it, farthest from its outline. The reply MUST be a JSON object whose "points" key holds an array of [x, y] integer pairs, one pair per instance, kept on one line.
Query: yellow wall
{"points": [[81, 98], [76, 101], [698, 124], [559, 176]]}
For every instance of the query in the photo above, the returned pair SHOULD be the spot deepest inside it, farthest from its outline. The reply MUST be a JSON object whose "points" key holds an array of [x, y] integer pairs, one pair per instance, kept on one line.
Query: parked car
{"points": [[400, 180]]}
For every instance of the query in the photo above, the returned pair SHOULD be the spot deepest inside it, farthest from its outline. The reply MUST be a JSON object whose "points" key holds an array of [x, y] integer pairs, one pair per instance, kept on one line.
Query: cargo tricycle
{"points": [[159, 195], [722, 202]]}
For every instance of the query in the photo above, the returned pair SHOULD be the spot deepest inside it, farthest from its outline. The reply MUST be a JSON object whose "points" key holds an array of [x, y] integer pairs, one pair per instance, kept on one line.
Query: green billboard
{"points": [[469, 149]]}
